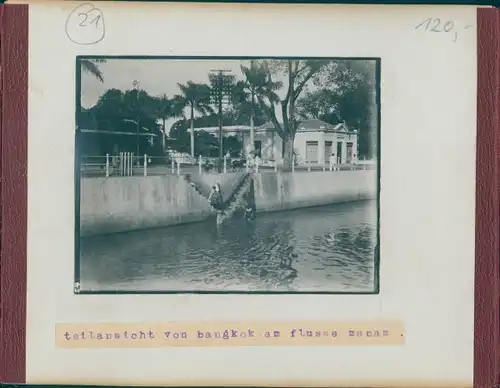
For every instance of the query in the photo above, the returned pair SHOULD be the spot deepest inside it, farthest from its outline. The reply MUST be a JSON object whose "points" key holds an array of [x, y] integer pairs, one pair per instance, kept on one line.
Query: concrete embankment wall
{"points": [[117, 204], [110, 205], [274, 192]]}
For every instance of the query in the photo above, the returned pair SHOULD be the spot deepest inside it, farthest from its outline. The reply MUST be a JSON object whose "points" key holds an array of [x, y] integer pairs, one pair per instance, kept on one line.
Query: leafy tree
{"points": [[206, 144], [86, 119], [320, 104], [110, 110], [233, 145], [238, 115], [115, 107], [179, 137], [118, 111], [196, 98], [91, 66], [347, 92], [298, 73]]}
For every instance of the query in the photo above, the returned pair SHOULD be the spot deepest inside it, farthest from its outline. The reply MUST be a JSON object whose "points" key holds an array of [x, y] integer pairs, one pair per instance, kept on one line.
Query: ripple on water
{"points": [[331, 249]]}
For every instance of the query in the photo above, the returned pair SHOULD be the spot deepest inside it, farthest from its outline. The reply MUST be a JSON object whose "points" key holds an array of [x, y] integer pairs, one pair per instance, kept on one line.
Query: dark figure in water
{"points": [[249, 213], [215, 198], [217, 201]]}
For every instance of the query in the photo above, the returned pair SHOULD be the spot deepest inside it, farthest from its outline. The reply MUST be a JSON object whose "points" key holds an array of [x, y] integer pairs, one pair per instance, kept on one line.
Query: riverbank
{"points": [[111, 205], [284, 191]]}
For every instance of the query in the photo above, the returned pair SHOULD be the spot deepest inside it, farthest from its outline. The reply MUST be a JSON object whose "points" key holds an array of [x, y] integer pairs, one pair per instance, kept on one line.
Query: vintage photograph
{"points": [[227, 175]]}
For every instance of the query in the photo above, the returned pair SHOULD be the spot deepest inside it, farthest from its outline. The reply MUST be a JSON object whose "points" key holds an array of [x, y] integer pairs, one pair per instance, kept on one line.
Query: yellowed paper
{"points": [[225, 334], [427, 178]]}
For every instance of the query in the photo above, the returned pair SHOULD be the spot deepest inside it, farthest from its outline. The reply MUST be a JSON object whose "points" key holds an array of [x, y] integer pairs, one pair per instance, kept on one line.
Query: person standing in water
{"points": [[249, 212], [216, 201]]}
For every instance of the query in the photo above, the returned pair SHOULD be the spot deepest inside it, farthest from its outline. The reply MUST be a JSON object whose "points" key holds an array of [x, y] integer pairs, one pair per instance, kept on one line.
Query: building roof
{"points": [[225, 128], [104, 132], [311, 125]]}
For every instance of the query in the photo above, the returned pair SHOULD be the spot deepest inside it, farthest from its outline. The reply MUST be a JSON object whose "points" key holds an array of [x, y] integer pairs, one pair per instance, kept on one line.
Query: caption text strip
{"points": [[224, 334]]}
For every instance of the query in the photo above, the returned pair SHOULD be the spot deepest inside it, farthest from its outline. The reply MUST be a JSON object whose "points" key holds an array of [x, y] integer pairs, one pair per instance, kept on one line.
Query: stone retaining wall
{"points": [[119, 204]]}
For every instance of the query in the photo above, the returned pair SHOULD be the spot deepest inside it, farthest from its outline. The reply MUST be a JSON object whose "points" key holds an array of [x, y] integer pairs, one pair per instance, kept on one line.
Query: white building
{"points": [[315, 141]]}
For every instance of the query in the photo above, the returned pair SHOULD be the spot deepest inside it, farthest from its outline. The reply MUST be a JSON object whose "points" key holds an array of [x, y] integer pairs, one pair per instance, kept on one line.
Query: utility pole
{"points": [[136, 88], [222, 84]]}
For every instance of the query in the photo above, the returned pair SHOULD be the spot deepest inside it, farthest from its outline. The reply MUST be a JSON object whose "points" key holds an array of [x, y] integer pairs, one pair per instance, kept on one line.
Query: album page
{"points": [[251, 194]]}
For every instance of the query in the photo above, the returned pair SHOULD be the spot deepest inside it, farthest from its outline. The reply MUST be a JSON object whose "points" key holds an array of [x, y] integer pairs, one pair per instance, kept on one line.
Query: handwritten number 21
{"points": [[84, 22], [434, 25]]}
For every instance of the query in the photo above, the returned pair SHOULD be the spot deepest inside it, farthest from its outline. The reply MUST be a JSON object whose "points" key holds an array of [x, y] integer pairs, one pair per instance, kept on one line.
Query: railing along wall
{"points": [[127, 164]]}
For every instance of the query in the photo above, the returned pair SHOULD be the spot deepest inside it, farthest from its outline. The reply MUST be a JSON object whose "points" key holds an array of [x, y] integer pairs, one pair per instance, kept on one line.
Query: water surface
{"points": [[327, 248]]}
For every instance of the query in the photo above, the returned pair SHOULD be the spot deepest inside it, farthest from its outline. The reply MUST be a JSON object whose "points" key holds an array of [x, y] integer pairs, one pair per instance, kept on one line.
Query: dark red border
{"points": [[487, 308], [14, 153], [14, 49]]}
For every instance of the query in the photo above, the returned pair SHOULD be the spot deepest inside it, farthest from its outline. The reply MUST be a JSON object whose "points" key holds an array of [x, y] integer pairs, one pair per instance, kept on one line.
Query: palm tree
{"points": [[195, 97], [166, 108], [91, 66], [257, 83]]}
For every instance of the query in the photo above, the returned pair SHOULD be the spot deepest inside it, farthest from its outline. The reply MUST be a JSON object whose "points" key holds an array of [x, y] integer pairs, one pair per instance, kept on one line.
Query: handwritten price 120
{"points": [[437, 25]]}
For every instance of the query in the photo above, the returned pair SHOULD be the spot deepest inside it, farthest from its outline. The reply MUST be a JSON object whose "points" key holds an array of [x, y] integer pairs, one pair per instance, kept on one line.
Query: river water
{"points": [[326, 249]]}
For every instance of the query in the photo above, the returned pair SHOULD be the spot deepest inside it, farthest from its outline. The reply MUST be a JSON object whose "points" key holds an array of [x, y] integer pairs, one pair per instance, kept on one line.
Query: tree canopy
{"points": [[206, 144], [117, 111], [346, 94]]}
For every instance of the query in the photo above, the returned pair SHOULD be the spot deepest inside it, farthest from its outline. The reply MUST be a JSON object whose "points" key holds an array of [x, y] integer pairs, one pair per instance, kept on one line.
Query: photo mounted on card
{"points": [[227, 174], [284, 191]]}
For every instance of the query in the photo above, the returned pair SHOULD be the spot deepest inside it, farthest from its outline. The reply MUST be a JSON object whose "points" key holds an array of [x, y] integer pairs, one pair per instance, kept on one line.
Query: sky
{"points": [[155, 76]]}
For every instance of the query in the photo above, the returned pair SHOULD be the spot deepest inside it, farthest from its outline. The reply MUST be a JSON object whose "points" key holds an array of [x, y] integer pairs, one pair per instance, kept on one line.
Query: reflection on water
{"points": [[328, 248]]}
